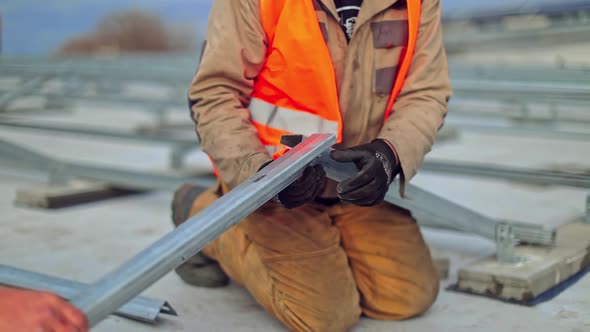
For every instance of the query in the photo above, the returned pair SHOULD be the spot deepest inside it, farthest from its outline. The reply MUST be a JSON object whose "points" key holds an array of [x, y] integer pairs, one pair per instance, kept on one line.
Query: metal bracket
{"points": [[505, 243]]}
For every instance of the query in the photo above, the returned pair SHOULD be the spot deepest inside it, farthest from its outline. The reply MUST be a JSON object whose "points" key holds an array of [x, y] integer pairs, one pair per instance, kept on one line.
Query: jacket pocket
{"points": [[390, 33]]}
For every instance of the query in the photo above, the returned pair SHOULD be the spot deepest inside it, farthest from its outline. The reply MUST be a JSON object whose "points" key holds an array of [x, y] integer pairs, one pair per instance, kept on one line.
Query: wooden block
{"points": [[54, 197], [543, 268]]}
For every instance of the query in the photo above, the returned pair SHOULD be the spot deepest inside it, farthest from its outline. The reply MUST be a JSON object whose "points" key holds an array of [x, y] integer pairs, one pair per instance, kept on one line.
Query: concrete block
{"points": [[54, 197], [542, 268]]}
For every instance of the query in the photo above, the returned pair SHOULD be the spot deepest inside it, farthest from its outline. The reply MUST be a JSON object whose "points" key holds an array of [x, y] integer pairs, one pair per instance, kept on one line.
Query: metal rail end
{"points": [[167, 309]]}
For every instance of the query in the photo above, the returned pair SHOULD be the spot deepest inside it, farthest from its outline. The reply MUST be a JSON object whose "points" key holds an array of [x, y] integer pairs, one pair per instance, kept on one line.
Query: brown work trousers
{"points": [[318, 267]]}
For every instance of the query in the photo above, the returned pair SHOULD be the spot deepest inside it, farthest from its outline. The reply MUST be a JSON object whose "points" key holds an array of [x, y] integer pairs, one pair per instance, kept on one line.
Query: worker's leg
{"points": [[292, 263], [198, 270], [391, 263]]}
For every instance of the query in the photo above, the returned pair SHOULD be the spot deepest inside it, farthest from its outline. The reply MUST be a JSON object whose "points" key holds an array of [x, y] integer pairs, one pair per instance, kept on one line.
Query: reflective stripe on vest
{"points": [[292, 121]]}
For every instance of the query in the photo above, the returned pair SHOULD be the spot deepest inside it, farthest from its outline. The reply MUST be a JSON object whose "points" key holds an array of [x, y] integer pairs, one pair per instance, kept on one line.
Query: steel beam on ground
{"points": [[89, 131], [538, 92], [125, 282], [523, 73], [519, 38], [24, 158], [114, 73], [518, 130], [149, 105], [142, 309], [28, 87], [523, 175]]}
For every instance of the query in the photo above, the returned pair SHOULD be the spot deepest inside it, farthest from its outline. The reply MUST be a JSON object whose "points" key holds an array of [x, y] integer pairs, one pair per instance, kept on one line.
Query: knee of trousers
{"points": [[403, 299], [336, 317], [313, 292]]}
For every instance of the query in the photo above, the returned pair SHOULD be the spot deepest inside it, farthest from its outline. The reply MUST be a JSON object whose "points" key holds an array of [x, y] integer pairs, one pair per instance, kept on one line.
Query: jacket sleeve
{"points": [[233, 55], [419, 110]]}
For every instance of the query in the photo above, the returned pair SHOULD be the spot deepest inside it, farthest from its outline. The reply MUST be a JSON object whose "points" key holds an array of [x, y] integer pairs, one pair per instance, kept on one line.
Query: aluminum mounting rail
{"points": [[28, 87], [60, 171], [147, 267], [152, 104], [142, 309], [516, 91], [521, 38], [517, 130], [523, 175], [93, 131], [490, 72], [112, 73]]}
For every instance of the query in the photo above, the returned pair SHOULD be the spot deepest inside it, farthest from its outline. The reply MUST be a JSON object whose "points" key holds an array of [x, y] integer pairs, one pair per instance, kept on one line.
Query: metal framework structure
{"points": [[121, 285], [141, 271]]}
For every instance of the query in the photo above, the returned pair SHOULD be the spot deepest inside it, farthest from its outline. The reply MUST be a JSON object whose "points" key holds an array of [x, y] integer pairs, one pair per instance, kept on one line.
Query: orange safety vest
{"points": [[296, 92]]}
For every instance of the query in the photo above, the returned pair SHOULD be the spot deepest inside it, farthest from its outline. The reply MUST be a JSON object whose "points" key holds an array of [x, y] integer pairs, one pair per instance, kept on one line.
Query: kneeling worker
{"points": [[373, 72]]}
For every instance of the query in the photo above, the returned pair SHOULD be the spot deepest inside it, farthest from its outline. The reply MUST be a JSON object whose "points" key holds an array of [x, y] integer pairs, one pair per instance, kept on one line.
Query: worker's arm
{"points": [[234, 54], [23, 310], [420, 108]]}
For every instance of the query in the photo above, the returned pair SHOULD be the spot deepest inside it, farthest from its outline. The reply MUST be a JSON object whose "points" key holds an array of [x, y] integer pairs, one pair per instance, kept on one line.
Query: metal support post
{"points": [[125, 282], [142, 309], [588, 209], [505, 242]]}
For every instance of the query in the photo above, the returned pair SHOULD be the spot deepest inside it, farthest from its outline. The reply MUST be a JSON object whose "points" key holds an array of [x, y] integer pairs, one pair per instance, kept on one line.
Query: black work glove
{"points": [[309, 185], [377, 165]]}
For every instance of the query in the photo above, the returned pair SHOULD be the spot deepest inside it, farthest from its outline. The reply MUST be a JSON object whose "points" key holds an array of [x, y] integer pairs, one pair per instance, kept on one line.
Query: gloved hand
{"points": [[377, 165], [309, 185]]}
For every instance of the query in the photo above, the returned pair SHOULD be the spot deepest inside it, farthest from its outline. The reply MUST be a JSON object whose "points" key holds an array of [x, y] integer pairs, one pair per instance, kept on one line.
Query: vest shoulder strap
{"points": [[270, 11], [414, 13]]}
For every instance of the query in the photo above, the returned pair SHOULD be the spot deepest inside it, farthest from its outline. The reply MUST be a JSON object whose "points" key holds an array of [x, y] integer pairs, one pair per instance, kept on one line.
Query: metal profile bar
{"points": [[536, 91], [155, 105], [108, 133], [166, 76], [536, 73], [541, 177], [142, 309], [518, 130], [16, 155], [28, 87], [517, 38], [125, 282]]}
